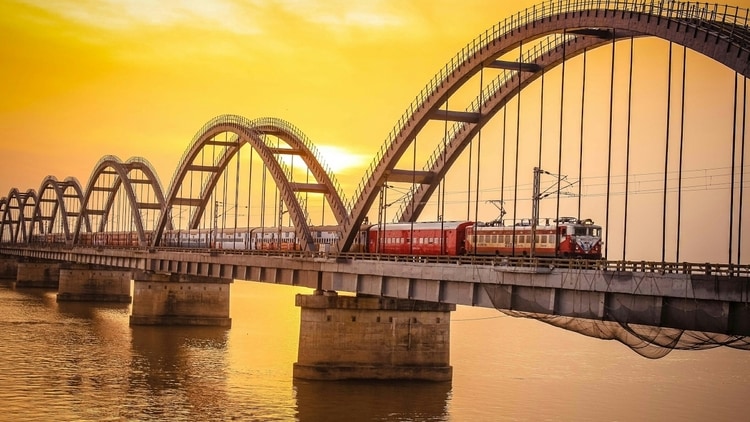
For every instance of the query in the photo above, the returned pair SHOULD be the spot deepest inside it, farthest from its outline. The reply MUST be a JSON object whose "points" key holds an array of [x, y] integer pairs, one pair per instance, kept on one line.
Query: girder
{"points": [[456, 116], [409, 176], [523, 67], [309, 187]]}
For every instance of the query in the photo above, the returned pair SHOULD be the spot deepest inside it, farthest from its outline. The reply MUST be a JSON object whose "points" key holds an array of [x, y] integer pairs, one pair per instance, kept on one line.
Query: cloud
{"points": [[243, 17], [346, 14], [130, 14]]}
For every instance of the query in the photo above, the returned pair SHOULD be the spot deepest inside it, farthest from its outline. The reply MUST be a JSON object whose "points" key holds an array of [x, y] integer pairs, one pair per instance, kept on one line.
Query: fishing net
{"points": [[647, 341]]}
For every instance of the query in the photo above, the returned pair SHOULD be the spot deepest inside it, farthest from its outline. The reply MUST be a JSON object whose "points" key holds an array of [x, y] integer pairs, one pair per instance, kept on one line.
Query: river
{"points": [[83, 362]]}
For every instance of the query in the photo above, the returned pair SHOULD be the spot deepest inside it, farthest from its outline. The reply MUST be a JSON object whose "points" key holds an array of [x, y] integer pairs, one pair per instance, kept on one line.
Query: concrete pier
{"points": [[344, 337], [8, 268], [80, 283], [38, 274], [172, 299]]}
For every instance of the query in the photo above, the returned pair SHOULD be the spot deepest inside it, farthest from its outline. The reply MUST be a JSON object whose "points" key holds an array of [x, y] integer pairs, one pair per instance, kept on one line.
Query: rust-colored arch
{"points": [[60, 190], [251, 132], [302, 145], [3, 208], [122, 170], [718, 32], [18, 201]]}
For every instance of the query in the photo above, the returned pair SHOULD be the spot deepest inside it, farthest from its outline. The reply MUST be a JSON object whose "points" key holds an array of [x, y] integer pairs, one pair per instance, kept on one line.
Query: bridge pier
{"points": [[344, 337], [38, 274], [80, 283], [8, 268], [173, 299]]}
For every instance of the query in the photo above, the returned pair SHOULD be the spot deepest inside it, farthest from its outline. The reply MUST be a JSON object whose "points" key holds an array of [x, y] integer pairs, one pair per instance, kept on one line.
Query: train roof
{"points": [[431, 225]]}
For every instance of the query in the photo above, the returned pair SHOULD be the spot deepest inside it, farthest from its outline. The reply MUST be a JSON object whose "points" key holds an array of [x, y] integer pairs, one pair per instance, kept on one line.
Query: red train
{"points": [[564, 237]]}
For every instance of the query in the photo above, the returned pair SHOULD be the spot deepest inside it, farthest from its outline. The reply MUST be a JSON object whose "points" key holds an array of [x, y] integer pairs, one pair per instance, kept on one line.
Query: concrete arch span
{"points": [[13, 226], [68, 188], [300, 144], [252, 133], [111, 165], [718, 32]]}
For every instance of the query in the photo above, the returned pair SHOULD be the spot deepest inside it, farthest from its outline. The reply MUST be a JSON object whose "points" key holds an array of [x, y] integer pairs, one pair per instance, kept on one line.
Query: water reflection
{"points": [[372, 401], [90, 310], [181, 370]]}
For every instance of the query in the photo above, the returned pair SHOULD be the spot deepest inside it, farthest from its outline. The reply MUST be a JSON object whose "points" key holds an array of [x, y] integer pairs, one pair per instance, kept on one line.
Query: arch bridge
{"points": [[607, 102]]}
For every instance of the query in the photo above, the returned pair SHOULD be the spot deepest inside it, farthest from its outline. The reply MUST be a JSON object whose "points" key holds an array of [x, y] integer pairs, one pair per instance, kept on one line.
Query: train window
{"points": [[544, 238]]}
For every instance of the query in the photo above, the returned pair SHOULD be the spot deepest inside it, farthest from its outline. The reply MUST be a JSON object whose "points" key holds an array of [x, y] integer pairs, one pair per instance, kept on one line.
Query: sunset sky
{"points": [[83, 79]]}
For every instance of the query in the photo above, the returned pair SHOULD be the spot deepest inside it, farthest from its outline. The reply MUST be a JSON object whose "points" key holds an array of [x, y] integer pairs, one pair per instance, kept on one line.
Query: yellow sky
{"points": [[83, 79]]}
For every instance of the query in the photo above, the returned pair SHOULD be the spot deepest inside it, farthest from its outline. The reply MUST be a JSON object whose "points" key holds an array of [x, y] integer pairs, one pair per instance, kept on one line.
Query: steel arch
{"points": [[17, 226], [718, 32], [122, 170], [249, 131], [3, 208], [59, 188], [300, 144]]}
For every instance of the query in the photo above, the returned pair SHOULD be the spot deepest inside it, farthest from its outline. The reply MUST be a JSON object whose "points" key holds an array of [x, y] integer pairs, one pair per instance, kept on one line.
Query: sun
{"points": [[339, 159]]}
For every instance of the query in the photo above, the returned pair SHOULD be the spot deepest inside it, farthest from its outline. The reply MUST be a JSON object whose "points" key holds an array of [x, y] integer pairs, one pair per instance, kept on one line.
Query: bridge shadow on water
{"points": [[371, 400]]}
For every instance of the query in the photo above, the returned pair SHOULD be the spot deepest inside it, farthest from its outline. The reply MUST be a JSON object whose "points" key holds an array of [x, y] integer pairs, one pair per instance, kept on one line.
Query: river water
{"points": [[82, 361]]}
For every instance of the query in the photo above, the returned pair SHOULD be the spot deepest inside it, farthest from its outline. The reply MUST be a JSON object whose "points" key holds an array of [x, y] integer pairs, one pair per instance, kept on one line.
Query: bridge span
{"points": [[662, 172], [695, 297]]}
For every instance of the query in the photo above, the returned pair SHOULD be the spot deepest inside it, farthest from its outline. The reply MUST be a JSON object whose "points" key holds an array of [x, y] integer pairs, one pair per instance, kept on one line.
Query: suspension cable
{"points": [[535, 212], [441, 186], [682, 139], [479, 155], [627, 150], [560, 147], [666, 157], [734, 156], [580, 150], [413, 183], [249, 193], [518, 142], [742, 171], [236, 192], [609, 147]]}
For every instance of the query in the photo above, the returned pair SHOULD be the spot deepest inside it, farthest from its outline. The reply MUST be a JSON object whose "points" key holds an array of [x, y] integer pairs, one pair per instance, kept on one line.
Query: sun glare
{"points": [[339, 159]]}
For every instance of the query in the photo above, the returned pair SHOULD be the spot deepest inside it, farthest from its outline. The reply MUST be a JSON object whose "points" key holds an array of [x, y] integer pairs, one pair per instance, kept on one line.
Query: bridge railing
{"points": [[531, 264], [722, 20]]}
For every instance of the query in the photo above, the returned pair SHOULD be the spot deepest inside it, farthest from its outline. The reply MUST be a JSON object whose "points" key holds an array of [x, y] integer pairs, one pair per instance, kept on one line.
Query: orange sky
{"points": [[83, 79], [87, 78]]}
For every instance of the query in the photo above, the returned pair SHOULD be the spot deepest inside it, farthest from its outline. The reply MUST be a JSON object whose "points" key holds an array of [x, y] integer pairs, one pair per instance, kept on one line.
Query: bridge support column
{"points": [[343, 337], [8, 268], [38, 274], [84, 283], [173, 299]]}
